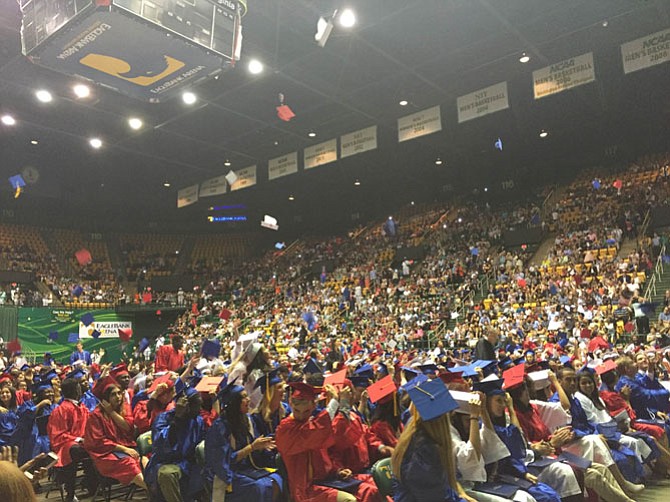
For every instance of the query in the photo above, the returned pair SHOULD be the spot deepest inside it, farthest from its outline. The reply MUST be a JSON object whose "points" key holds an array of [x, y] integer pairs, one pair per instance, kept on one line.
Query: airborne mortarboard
{"points": [[17, 181], [382, 390], [489, 387], [285, 113], [211, 348], [607, 366], [513, 377], [72, 337], [77, 291], [125, 334], [83, 257], [312, 367], [431, 399], [144, 343], [95, 334], [303, 391], [53, 335], [87, 319]]}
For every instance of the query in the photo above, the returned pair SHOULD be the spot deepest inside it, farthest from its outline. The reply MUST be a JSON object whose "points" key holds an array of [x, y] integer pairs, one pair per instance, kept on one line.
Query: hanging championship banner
{"points": [[564, 75], [213, 186], [646, 51], [283, 166], [187, 196], [321, 154], [419, 124], [358, 142], [482, 102], [245, 178]]}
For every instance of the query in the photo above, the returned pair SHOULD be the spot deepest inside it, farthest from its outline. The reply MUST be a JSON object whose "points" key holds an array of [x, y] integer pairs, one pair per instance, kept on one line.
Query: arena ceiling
{"points": [[427, 52]]}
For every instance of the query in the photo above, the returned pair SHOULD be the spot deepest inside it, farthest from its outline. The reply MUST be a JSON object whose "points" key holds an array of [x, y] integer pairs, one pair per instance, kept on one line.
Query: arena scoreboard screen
{"points": [[149, 50]]}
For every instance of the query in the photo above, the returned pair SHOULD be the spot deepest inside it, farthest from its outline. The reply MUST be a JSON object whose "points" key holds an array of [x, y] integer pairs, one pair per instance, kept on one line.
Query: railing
{"points": [[642, 232], [650, 291]]}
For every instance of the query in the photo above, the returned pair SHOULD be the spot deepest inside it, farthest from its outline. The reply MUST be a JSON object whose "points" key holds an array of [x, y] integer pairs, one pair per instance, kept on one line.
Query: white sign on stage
{"points": [[323, 153], [358, 141], [646, 51], [563, 75], [213, 186], [419, 124], [482, 102], [187, 196], [245, 178], [283, 166]]}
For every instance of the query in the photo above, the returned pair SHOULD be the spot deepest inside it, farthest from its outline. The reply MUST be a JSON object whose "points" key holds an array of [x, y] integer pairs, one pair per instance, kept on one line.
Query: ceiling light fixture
{"points": [[438, 161], [290, 197], [524, 58], [166, 184], [8, 120], [255, 67], [347, 18], [135, 123], [226, 163], [81, 91], [34, 142], [189, 98], [44, 96], [403, 102], [357, 183], [311, 134], [95, 142], [543, 133]]}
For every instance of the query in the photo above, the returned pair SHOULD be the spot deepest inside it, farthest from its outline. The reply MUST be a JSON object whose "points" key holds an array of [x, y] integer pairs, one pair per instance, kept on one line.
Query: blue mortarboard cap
{"points": [[410, 373], [312, 367], [73, 338], [76, 374], [77, 291], [53, 335], [383, 369], [25, 367], [179, 386], [268, 380], [420, 377], [227, 390], [41, 385], [365, 370], [487, 367], [17, 181], [565, 360], [360, 381], [49, 375], [95, 334], [490, 387], [505, 363], [468, 370], [144, 343], [87, 319], [431, 399], [211, 348], [429, 369]]}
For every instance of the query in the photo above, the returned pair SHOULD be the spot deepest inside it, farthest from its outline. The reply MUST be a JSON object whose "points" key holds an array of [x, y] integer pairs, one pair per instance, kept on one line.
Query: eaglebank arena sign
{"points": [[107, 329]]}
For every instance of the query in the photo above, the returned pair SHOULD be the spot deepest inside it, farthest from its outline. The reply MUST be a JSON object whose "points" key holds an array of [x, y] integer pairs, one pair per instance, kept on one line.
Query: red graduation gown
{"points": [[167, 358], [100, 438], [385, 432], [303, 447], [66, 423]]}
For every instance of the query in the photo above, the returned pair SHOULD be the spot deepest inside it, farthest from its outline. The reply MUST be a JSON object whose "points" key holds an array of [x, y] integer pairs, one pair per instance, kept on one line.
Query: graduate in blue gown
{"points": [[233, 451], [510, 433], [175, 436], [9, 416], [272, 408], [32, 437], [423, 462]]}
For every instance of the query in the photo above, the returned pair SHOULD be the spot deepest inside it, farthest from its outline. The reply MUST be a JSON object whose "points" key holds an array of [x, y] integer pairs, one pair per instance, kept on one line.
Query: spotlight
{"points": [[524, 58], [255, 67], [290, 197], [81, 91], [166, 184], [347, 18], [227, 163], [135, 123], [189, 98], [543, 133], [95, 142], [357, 183], [44, 96], [438, 161], [311, 134], [8, 120], [34, 142], [403, 102]]}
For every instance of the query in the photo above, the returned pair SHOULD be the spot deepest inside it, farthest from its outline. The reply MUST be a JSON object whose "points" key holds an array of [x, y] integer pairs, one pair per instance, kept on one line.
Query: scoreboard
{"points": [[147, 49]]}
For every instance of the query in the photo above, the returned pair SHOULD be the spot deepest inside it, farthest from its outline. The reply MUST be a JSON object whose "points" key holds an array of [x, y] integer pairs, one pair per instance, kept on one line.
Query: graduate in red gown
{"points": [[170, 357], [146, 411], [109, 437], [303, 442], [66, 428]]}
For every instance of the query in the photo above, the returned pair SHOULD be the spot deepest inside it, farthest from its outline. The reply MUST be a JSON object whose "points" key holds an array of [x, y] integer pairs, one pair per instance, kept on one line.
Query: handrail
{"points": [[650, 290]]}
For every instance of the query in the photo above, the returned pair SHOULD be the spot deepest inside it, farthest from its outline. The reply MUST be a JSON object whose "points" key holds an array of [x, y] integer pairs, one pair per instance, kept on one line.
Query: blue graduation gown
{"points": [[645, 401], [31, 434], [220, 458], [89, 400], [181, 453], [514, 464], [423, 479], [8, 424]]}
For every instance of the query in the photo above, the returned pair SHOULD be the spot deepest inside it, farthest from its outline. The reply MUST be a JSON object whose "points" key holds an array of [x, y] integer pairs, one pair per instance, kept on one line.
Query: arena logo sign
{"points": [[107, 329]]}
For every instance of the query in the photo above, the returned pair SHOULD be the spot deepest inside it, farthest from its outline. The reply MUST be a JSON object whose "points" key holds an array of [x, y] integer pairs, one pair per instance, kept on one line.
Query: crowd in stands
{"points": [[470, 374]]}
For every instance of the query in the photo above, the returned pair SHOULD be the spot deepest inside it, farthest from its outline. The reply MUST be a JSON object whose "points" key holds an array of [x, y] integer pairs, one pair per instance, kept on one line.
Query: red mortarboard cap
{"points": [[14, 346], [336, 379], [303, 391], [209, 384], [452, 377], [166, 379], [617, 184], [103, 384], [225, 314], [606, 367], [285, 113], [514, 376], [5, 377], [83, 257], [125, 334], [382, 389], [118, 370]]}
